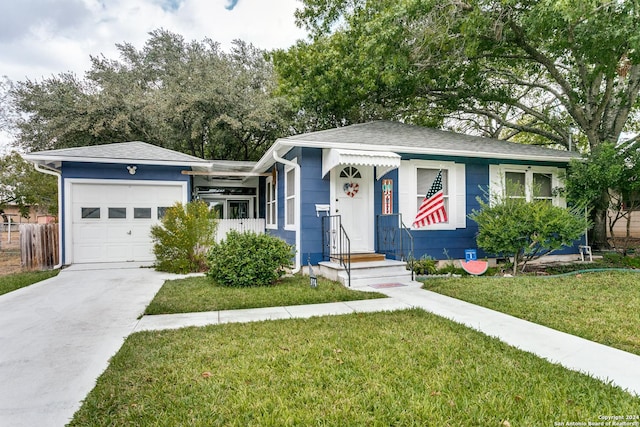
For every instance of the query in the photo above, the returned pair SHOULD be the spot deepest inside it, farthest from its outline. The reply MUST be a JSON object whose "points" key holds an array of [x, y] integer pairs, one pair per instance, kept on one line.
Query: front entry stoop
{"points": [[364, 274]]}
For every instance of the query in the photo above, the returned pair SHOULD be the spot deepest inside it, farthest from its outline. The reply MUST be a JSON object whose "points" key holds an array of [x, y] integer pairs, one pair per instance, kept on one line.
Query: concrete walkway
{"points": [[606, 363], [57, 336]]}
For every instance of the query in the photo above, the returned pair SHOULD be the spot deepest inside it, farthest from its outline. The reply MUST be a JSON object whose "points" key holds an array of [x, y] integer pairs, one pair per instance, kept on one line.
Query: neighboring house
{"points": [[35, 215], [111, 194]]}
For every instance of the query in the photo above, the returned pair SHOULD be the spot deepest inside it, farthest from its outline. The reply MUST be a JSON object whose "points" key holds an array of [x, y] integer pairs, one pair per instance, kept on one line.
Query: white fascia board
{"points": [[48, 159], [425, 151]]}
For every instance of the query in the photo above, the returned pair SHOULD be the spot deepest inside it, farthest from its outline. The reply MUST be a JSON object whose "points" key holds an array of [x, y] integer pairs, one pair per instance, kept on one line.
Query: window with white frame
{"points": [[424, 180], [271, 199], [290, 197], [415, 178], [527, 182]]}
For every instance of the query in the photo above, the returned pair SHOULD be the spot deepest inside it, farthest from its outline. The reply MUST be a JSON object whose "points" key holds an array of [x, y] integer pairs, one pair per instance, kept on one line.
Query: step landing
{"points": [[367, 273]]}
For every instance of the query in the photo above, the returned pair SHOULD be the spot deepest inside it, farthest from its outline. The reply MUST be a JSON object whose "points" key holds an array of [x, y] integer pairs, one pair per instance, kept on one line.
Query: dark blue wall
{"points": [[443, 244], [314, 190], [439, 244]]}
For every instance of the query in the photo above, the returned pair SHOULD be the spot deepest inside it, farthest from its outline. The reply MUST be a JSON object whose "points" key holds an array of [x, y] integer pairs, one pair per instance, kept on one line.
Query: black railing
{"points": [[336, 245], [394, 239]]}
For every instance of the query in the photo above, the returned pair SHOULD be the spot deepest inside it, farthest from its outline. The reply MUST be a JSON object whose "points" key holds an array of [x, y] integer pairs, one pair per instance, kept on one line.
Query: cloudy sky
{"points": [[41, 38]]}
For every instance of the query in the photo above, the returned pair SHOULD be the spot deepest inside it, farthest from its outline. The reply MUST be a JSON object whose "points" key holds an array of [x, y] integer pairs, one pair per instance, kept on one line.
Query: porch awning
{"points": [[384, 161]]}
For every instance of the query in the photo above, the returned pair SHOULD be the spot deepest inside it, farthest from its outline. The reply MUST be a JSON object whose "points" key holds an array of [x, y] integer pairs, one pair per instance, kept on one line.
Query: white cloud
{"points": [[40, 38]]}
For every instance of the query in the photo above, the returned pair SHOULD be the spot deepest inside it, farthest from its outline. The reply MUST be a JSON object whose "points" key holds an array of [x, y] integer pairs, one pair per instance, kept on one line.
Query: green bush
{"points": [[424, 265], [249, 259], [182, 239], [524, 230]]}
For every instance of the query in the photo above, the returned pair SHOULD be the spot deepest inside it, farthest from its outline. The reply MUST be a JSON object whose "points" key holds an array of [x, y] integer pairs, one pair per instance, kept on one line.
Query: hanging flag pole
{"points": [[432, 209]]}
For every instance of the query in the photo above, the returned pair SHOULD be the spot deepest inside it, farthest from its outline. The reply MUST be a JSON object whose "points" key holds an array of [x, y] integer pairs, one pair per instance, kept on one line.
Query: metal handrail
{"points": [[394, 239], [336, 243]]}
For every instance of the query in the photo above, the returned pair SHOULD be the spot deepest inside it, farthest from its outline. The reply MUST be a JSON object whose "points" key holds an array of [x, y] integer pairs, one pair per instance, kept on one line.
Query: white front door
{"points": [[352, 199]]}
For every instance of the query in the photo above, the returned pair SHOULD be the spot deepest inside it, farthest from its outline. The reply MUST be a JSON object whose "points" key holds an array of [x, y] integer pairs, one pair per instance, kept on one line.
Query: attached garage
{"points": [[111, 195], [111, 221]]}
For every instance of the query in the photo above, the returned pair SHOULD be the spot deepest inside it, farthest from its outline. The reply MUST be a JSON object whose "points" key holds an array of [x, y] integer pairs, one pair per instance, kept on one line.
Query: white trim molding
{"points": [[408, 191]]}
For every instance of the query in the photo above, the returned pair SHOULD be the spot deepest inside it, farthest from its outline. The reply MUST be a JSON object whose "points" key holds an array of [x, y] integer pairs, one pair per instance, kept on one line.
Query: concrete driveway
{"points": [[57, 336]]}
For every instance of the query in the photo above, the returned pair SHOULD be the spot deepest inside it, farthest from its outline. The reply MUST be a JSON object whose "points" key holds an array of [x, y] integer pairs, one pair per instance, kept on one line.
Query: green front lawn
{"points": [[602, 307], [20, 280], [202, 294], [378, 369]]}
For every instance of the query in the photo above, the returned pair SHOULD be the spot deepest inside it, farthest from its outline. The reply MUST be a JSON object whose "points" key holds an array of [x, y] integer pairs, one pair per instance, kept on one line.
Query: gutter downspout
{"points": [[279, 159], [55, 173]]}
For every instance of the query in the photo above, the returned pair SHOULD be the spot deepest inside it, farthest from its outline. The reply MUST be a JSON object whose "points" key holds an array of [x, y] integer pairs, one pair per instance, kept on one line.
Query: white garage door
{"points": [[111, 222]]}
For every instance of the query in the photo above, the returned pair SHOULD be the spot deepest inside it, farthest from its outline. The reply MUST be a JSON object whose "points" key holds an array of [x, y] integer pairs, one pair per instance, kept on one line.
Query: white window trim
{"points": [[497, 180], [407, 184], [274, 219], [293, 199]]}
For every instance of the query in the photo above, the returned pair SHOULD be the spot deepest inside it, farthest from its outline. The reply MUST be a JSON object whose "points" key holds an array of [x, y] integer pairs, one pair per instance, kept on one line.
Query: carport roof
{"points": [[122, 152]]}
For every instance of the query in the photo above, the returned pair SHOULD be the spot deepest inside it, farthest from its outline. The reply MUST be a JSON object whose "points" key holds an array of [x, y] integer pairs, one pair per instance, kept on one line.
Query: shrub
{"points": [[182, 239], [249, 259], [424, 265], [526, 230]]}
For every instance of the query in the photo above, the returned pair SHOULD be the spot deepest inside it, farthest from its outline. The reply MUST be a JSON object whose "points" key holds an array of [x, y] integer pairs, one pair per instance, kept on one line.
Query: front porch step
{"points": [[363, 257], [367, 273]]}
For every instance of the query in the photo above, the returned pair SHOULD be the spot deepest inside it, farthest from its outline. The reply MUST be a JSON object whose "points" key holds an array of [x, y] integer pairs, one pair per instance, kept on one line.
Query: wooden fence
{"points": [[39, 246], [256, 225]]}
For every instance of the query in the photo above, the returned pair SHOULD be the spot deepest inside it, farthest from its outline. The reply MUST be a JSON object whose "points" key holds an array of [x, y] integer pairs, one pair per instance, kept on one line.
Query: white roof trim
{"points": [[385, 161]]}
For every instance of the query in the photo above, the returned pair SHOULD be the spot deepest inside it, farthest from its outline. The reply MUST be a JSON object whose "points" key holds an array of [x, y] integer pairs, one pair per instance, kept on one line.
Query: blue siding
{"points": [[443, 244], [119, 171], [314, 190], [286, 235], [439, 244]]}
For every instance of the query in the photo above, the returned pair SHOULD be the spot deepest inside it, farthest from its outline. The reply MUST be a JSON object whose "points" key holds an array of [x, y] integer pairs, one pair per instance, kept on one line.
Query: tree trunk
{"points": [[599, 231]]}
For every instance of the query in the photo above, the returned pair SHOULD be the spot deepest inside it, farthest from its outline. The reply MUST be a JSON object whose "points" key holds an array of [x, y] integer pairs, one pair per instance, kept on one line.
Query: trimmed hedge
{"points": [[249, 259]]}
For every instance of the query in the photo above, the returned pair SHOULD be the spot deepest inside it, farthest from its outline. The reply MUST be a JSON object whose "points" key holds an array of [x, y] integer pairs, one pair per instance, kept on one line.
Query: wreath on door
{"points": [[351, 189]]}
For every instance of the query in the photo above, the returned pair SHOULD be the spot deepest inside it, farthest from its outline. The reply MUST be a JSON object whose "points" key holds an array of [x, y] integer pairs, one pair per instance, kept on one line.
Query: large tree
{"points": [[557, 72], [187, 96]]}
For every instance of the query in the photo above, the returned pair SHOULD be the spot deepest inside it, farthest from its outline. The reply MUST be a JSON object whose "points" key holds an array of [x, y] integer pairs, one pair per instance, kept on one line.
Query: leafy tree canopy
{"points": [[23, 186], [186, 96], [561, 72]]}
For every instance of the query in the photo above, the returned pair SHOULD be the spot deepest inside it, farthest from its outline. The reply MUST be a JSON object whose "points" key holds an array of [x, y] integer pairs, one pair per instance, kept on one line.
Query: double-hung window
{"points": [[424, 180], [415, 178], [290, 197], [271, 199], [530, 183]]}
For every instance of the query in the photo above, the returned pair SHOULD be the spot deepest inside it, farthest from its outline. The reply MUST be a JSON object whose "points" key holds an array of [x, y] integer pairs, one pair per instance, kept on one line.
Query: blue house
{"points": [[363, 184], [342, 194]]}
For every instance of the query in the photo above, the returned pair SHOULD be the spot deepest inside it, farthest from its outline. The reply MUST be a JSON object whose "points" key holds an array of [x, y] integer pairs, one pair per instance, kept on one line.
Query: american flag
{"points": [[432, 210]]}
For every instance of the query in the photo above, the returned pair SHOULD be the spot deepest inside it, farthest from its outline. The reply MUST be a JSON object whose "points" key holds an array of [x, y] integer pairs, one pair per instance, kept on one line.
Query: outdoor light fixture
{"points": [[132, 169]]}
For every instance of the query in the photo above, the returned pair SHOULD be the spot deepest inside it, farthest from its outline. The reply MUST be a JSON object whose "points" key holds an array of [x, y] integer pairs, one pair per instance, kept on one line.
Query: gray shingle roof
{"points": [[122, 152], [404, 138]]}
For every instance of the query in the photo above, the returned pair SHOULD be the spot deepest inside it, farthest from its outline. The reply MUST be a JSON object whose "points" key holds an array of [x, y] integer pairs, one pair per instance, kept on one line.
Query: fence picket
{"points": [[39, 245]]}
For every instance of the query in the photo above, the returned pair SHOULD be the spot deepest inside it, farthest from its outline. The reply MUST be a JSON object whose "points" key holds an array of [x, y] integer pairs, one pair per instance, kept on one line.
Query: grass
{"points": [[195, 294], [15, 281], [602, 307], [378, 369]]}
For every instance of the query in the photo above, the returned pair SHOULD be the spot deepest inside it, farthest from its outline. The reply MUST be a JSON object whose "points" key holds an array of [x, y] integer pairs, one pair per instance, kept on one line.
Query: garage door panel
{"points": [[127, 237]]}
